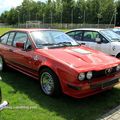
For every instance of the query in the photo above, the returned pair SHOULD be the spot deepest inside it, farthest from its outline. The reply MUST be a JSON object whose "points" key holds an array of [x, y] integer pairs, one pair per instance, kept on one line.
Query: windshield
{"points": [[112, 36], [116, 30], [52, 38]]}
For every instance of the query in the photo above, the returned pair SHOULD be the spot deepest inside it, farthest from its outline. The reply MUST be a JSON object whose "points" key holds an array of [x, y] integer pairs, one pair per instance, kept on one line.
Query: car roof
{"points": [[89, 29], [33, 29], [116, 29]]}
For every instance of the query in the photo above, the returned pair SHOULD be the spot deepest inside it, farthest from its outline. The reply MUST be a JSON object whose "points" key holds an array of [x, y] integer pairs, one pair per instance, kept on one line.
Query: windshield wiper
{"points": [[60, 44], [46, 44], [65, 43]]}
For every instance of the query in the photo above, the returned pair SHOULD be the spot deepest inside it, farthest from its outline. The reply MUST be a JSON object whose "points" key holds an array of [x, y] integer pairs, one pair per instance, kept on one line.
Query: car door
{"points": [[104, 45], [7, 46], [23, 58], [89, 38]]}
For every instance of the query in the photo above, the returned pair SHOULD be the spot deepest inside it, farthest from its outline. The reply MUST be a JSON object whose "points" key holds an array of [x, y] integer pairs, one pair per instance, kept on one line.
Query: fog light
{"points": [[81, 76], [89, 75]]}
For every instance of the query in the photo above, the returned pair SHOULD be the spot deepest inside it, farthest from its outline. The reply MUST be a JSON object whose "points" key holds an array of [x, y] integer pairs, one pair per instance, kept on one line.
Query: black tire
{"points": [[49, 82], [0, 95], [3, 66], [118, 56]]}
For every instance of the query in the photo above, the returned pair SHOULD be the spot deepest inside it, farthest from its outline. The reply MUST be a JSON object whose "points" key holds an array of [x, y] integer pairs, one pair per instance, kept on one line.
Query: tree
{"points": [[63, 11], [118, 13]]}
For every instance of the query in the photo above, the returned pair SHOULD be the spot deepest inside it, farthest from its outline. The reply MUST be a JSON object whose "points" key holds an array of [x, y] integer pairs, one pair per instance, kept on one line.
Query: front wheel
{"points": [[49, 82]]}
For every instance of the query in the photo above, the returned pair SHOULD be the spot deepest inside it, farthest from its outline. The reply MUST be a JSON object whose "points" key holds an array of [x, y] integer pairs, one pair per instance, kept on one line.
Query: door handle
{"points": [[10, 50]]}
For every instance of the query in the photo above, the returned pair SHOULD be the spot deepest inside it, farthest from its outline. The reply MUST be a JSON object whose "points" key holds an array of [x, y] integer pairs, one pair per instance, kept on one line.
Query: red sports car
{"points": [[58, 62]]}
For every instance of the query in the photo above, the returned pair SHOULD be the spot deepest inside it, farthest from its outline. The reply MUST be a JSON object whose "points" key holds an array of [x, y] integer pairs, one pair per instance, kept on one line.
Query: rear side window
{"points": [[20, 37], [90, 36], [4, 38], [10, 38], [77, 35], [71, 34]]}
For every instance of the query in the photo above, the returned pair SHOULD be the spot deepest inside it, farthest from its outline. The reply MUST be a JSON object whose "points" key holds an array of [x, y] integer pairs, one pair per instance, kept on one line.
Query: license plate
{"points": [[105, 84], [109, 83]]}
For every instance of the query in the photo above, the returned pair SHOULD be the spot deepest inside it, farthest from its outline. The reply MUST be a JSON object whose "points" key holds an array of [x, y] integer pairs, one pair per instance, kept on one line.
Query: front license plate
{"points": [[109, 83], [105, 84]]}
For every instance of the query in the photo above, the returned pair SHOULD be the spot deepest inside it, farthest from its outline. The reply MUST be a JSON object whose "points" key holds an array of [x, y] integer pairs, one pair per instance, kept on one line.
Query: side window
{"points": [[28, 45], [20, 37], [78, 35], [90, 36], [4, 38], [10, 38], [71, 34], [103, 39]]}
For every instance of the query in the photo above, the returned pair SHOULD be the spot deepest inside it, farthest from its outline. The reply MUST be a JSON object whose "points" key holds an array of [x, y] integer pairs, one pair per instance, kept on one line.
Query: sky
{"points": [[8, 4]]}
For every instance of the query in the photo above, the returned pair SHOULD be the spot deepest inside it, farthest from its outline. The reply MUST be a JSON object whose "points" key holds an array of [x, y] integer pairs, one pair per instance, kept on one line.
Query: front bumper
{"points": [[90, 88]]}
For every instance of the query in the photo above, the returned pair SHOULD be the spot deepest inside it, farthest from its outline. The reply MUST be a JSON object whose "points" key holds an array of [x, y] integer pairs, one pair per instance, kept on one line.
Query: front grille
{"points": [[102, 73]]}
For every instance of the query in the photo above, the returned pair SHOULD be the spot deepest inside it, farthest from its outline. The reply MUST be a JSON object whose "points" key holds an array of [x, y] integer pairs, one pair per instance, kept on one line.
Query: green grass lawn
{"points": [[3, 30], [27, 102], [22, 91]]}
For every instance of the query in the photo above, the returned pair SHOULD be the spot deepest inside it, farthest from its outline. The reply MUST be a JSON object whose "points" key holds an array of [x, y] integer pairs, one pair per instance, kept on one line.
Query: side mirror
{"points": [[98, 40], [20, 45]]}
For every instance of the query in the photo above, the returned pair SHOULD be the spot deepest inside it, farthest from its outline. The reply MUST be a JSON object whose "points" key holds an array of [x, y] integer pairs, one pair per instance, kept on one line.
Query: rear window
{"points": [[4, 38]]}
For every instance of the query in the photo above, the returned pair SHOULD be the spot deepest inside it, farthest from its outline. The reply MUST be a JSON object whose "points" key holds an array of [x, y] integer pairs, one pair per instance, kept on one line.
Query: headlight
{"points": [[81, 76], [89, 75], [118, 68]]}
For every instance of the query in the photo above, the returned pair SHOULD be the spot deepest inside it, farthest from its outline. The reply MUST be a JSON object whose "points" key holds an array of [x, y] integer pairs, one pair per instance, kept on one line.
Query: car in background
{"points": [[116, 30], [58, 62], [104, 40]]}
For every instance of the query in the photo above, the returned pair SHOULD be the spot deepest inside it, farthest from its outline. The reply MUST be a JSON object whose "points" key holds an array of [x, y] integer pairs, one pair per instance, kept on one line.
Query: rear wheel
{"points": [[49, 82], [0, 96], [1, 63]]}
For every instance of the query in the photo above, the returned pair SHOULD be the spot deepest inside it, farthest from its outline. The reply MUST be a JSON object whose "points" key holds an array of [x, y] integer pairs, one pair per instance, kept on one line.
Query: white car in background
{"points": [[104, 40], [116, 30]]}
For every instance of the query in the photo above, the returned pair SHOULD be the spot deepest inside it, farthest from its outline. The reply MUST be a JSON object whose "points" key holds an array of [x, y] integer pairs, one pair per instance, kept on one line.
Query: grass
{"points": [[27, 102], [22, 91], [3, 30]]}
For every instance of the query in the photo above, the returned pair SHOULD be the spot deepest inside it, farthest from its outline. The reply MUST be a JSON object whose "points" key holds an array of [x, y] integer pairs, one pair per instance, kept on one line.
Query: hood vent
{"points": [[81, 51]]}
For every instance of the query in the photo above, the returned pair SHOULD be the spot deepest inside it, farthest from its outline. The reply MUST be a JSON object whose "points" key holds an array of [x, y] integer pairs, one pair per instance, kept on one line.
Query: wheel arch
{"points": [[57, 76], [45, 66], [118, 55]]}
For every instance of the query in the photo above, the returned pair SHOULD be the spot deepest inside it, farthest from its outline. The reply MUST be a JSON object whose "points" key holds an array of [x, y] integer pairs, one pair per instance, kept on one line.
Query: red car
{"points": [[58, 62]]}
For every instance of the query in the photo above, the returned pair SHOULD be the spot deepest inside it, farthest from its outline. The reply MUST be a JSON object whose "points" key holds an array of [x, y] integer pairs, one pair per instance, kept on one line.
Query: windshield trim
{"points": [[111, 39], [56, 44]]}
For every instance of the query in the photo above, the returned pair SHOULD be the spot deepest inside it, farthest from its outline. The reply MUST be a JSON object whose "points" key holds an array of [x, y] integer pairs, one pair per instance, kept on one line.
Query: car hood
{"points": [[82, 57]]}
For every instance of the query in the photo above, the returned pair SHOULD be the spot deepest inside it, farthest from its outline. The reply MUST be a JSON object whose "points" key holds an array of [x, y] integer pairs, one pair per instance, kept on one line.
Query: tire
{"points": [[49, 82], [0, 96], [118, 56], [1, 64]]}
